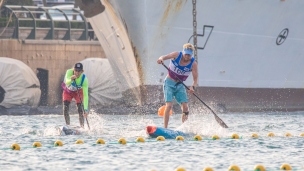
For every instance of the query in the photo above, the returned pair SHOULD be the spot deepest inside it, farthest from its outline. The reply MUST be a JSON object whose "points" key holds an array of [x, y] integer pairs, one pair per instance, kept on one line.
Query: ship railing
{"points": [[31, 22]]}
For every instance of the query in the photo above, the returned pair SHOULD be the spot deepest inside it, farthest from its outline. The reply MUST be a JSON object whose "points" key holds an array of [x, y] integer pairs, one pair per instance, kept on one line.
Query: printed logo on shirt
{"points": [[178, 71]]}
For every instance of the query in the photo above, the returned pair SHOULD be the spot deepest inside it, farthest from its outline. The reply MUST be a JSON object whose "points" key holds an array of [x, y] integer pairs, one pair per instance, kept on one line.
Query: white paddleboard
{"points": [[69, 130]]}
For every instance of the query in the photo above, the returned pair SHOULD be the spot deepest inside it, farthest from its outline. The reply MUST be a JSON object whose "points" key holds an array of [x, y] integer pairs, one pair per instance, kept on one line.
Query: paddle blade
{"points": [[161, 111], [219, 120]]}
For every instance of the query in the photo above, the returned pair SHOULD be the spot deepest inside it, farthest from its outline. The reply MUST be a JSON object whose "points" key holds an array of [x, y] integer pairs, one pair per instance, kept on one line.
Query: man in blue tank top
{"points": [[182, 64]]}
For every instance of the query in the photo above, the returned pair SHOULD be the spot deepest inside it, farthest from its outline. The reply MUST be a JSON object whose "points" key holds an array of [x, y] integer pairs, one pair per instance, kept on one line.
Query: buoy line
{"points": [[123, 141]]}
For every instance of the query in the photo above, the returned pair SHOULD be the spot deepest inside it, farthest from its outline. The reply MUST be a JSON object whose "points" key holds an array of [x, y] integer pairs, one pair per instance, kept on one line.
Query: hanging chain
{"points": [[194, 29]]}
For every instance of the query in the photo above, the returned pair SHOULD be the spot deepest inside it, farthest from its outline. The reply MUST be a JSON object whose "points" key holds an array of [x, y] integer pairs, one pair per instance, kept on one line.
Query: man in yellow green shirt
{"points": [[75, 86]]}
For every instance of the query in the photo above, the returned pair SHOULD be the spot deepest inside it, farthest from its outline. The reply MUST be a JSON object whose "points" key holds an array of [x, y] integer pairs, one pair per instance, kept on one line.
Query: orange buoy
{"points": [[161, 111]]}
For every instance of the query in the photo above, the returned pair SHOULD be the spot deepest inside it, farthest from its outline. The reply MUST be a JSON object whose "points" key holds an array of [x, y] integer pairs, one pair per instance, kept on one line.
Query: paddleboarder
{"points": [[182, 64], [75, 86]]}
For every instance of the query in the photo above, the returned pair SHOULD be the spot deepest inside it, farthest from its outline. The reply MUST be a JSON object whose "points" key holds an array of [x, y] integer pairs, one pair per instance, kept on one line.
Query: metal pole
{"points": [[194, 29]]}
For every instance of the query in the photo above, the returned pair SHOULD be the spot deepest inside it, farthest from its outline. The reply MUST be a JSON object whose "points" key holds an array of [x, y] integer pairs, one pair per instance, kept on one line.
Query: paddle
{"points": [[82, 104], [219, 120]]}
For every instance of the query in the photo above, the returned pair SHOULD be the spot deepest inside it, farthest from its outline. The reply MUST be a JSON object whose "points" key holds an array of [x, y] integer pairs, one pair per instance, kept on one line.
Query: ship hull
{"points": [[226, 99], [250, 53]]}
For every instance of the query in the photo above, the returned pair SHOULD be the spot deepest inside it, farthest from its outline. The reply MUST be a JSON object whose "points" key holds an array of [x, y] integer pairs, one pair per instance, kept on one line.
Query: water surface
{"points": [[246, 152]]}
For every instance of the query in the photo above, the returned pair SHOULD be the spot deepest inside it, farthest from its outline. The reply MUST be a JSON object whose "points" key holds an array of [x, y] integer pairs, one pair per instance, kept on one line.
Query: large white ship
{"points": [[250, 52]]}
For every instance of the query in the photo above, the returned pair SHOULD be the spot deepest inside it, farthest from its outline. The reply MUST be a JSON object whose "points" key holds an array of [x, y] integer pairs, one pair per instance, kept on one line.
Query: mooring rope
{"points": [[9, 20], [1, 1]]}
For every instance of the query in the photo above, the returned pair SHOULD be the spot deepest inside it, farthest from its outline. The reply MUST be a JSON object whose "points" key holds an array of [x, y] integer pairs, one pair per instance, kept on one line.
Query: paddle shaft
{"points": [[215, 115], [81, 104]]}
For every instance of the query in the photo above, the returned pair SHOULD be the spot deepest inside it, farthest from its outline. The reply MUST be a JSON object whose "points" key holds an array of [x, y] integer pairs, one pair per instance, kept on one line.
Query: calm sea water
{"points": [[271, 152]]}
